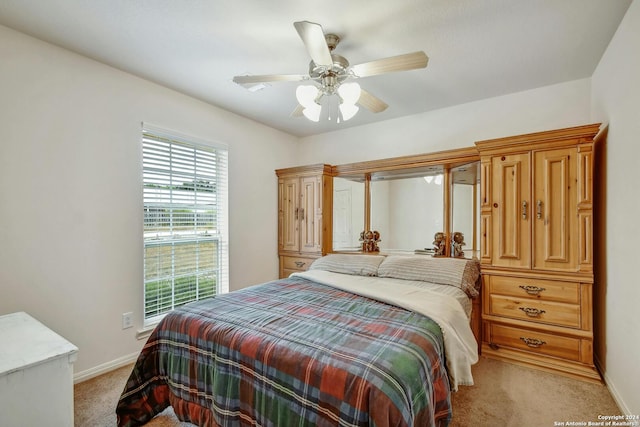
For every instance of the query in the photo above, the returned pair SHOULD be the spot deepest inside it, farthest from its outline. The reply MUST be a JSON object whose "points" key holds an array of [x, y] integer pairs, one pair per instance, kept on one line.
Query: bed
{"points": [[358, 340]]}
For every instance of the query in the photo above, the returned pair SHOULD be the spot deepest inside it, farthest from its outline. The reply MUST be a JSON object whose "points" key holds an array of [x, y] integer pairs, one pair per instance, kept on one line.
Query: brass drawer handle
{"points": [[300, 264], [532, 312], [525, 205], [539, 209], [532, 290], [533, 342]]}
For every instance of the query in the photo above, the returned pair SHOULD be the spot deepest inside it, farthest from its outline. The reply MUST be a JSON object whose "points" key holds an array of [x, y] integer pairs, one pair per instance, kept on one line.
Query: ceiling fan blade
{"points": [[408, 61], [371, 102], [297, 112], [313, 38], [243, 80]]}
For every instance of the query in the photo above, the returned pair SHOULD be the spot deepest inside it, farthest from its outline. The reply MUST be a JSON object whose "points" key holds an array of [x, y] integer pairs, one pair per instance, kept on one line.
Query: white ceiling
{"points": [[477, 48]]}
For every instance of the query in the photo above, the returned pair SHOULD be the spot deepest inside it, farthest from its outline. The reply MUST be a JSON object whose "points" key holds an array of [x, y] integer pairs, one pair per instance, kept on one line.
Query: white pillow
{"points": [[460, 272], [360, 265]]}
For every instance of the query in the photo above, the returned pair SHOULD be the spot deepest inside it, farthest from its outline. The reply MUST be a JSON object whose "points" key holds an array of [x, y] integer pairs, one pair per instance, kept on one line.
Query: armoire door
{"points": [[310, 201], [511, 211], [555, 218], [289, 211]]}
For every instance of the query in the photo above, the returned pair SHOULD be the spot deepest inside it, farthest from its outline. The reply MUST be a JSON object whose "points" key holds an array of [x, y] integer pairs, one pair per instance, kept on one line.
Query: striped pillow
{"points": [[360, 265], [460, 272]]}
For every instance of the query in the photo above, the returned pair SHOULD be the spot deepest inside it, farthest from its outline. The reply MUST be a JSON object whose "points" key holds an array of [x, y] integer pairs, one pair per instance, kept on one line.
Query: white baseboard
{"points": [[104, 368], [612, 388], [616, 396]]}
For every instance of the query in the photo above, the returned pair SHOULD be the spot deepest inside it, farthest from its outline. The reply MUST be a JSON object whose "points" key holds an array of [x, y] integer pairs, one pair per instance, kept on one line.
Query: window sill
{"points": [[144, 333]]}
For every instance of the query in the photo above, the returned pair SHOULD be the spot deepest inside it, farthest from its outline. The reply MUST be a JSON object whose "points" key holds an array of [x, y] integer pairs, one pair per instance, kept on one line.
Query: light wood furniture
{"points": [[536, 251], [36, 374], [305, 196]]}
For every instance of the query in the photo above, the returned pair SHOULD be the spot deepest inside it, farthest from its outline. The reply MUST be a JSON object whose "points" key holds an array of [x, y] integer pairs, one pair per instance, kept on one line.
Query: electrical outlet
{"points": [[127, 320]]}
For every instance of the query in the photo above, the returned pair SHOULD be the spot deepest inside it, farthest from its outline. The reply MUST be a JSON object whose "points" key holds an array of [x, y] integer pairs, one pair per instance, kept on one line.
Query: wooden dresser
{"points": [[537, 249], [305, 208]]}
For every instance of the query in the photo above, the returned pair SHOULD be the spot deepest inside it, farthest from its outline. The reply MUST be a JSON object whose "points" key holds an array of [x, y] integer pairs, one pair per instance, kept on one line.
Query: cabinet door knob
{"points": [[525, 205]]}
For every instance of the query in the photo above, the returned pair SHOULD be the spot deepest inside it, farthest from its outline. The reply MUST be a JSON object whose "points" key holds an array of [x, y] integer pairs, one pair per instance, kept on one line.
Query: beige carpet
{"points": [[504, 395]]}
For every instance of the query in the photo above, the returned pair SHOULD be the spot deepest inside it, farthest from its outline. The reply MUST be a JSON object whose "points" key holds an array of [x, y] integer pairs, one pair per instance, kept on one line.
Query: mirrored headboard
{"points": [[408, 200]]}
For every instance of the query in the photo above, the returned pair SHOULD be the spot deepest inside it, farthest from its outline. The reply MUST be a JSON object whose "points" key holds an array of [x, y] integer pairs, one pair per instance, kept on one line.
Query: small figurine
{"points": [[370, 241], [457, 244], [439, 243]]}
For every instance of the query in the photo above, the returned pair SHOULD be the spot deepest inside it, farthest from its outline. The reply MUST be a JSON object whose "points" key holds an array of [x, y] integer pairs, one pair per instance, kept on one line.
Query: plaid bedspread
{"points": [[291, 352]]}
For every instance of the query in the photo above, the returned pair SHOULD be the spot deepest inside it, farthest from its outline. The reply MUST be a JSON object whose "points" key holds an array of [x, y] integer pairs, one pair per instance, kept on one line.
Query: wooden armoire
{"points": [[305, 209], [537, 249]]}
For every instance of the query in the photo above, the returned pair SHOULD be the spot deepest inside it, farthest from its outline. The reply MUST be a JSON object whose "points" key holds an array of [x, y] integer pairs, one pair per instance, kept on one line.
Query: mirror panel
{"points": [[348, 213], [408, 200], [465, 206], [407, 210]]}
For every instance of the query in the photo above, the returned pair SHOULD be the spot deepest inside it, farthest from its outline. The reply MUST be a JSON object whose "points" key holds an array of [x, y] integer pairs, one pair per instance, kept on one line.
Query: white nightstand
{"points": [[36, 374]]}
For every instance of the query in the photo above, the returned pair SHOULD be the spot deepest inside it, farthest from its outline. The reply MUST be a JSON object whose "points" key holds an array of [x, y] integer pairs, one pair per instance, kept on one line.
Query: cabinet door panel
{"points": [[555, 225], [511, 211], [289, 223], [585, 209], [309, 198], [485, 188], [485, 239], [485, 212]]}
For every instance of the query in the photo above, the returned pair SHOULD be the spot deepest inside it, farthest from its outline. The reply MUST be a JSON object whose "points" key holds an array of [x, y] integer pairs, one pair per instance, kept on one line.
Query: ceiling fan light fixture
{"points": [[312, 112], [307, 95], [348, 111], [329, 71], [350, 93]]}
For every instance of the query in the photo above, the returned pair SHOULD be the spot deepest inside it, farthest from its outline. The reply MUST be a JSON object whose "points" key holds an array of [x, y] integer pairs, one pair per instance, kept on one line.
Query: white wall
{"points": [[541, 109], [71, 194], [616, 101]]}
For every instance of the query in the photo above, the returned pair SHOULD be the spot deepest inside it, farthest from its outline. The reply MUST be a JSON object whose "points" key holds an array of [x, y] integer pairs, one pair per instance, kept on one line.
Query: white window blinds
{"points": [[185, 221]]}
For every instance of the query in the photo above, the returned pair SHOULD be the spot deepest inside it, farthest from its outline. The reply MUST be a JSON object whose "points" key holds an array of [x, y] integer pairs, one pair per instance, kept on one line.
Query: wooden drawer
{"points": [[296, 263], [550, 312], [286, 273], [539, 289], [534, 341]]}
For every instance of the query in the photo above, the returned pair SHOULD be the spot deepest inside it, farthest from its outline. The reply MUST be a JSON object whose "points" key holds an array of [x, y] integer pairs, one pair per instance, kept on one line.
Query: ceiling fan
{"points": [[330, 74]]}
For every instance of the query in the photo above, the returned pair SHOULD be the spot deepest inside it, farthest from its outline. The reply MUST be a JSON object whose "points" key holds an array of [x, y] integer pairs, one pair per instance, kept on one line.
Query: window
{"points": [[185, 221]]}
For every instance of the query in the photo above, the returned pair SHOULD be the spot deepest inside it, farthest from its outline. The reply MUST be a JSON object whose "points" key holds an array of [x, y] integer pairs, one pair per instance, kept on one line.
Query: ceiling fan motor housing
{"points": [[330, 77]]}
